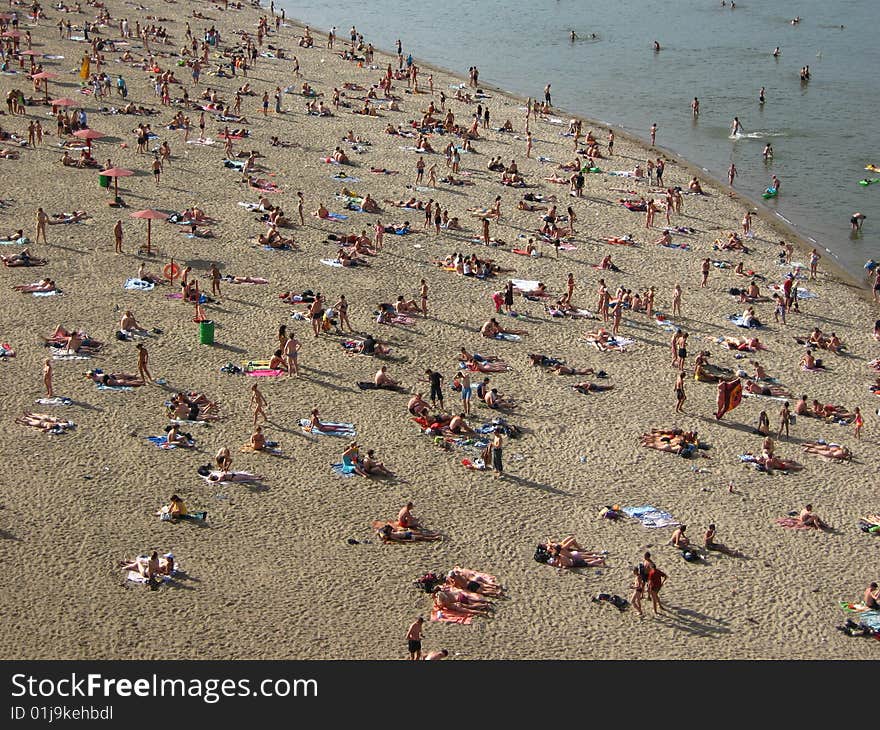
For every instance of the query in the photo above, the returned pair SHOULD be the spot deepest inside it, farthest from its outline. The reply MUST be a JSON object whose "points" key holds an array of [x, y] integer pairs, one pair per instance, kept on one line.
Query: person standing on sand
{"points": [[423, 295], [814, 262], [858, 422], [143, 363], [528, 144], [638, 586], [676, 300], [299, 207], [731, 174], [497, 453], [290, 353], [157, 169], [420, 169], [42, 219], [704, 271], [214, 273], [784, 420], [486, 239], [258, 404], [436, 381], [414, 639], [653, 133], [656, 579], [679, 392], [117, 235], [341, 308], [47, 377]]}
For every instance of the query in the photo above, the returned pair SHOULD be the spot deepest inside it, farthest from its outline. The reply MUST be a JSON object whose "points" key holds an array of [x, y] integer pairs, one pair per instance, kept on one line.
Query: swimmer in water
{"points": [[656, 46], [735, 127], [761, 97], [776, 52], [767, 154], [573, 36]]}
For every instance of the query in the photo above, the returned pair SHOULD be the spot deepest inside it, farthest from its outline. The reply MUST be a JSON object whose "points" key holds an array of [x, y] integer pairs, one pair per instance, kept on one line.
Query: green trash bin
{"points": [[104, 181], [206, 332]]}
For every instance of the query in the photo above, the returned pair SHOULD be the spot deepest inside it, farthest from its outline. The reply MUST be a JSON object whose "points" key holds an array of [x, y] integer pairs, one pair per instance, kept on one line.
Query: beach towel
{"points": [[337, 429], [332, 262], [791, 522], [161, 442], [342, 177], [138, 285], [56, 292], [651, 516], [265, 373], [344, 470], [56, 401], [15, 241], [6, 350], [729, 396], [507, 336], [525, 285], [450, 616], [336, 217], [681, 246], [69, 356], [101, 386], [741, 321], [367, 385]]}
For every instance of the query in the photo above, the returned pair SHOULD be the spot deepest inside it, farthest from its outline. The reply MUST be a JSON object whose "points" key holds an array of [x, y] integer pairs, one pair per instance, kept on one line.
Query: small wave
{"points": [[779, 215]]}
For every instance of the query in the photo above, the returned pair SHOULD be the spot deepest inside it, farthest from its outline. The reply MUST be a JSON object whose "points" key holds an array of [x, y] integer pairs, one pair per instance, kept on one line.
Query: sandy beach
{"points": [[273, 573]]}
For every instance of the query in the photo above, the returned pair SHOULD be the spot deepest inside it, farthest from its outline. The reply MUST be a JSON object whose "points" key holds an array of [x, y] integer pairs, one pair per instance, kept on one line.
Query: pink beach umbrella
{"points": [[43, 76], [63, 101], [150, 215], [116, 173], [88, 135]]}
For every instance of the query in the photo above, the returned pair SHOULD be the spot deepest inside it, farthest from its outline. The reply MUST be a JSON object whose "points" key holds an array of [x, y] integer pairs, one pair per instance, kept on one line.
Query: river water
{"points": [[823, 132]]}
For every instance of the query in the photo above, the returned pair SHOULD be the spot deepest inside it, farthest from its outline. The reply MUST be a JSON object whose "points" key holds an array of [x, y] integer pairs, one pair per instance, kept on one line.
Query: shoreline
{"points": [[759, 209]]}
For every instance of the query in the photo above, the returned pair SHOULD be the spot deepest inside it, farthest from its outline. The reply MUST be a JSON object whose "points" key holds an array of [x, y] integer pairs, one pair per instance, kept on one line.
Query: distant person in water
{"points": [[735, 127]]}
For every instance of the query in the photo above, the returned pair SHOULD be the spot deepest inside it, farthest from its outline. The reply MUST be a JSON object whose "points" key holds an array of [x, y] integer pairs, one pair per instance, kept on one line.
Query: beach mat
{"points": [[651, 516]]}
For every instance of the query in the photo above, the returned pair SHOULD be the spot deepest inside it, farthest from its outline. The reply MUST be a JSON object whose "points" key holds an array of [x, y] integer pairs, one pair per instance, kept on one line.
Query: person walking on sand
{"points": [[42, 219], [680, 396], [117, 235], [423, 296], [47, 377], [528, 144], [414, 639], [143, 363], [258, 404], [704, 271], [731, 174]]}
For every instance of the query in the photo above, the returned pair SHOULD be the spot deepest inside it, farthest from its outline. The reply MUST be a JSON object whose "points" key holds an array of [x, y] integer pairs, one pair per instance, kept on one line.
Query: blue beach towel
{"points": [[343, 470], [651, 516], [138, 285], [341, 429]]}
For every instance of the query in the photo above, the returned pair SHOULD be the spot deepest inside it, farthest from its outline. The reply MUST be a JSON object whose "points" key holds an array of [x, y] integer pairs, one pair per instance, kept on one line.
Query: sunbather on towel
{"points": [[474, 581], [491, 329], [153, 566], [173, 436], [115, 380], [569, 554], [389, 533], [743, 344], [452, 599], [44, 285], [45, 422], [828, 451], [673, 440]]}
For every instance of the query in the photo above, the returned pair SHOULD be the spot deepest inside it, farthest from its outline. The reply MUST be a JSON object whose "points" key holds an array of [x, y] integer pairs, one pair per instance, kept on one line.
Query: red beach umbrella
{"points": [[63, 101], [11, 34], [88, 135], [116, 173], [150, 215]]}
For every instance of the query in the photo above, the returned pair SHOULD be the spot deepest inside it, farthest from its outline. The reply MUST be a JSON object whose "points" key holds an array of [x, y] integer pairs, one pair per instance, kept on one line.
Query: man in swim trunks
{"points": [[414, 639]]}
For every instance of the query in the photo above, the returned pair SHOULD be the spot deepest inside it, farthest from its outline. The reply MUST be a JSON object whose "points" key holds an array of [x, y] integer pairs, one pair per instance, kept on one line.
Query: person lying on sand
{"points": [[115, 380], [828, 451], [587, 387], [43, 286], [153, 566], [778, 391], [388, 533], [22, 258], [743, 344], [455, 599], [673, 440], [45, 422]]}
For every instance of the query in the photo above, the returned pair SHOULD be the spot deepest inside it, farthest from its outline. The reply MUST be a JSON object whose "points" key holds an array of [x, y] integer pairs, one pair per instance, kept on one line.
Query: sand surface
{"points": [[272, 575]]}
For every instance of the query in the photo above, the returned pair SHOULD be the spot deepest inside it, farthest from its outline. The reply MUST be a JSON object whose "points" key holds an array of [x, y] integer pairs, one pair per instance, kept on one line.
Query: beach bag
{"points": [[542, 555]]}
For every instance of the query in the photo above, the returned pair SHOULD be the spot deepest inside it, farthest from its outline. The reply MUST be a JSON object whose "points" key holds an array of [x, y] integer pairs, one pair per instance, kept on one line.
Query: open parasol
{"points": [[116, 173], [150, 215], [88, 135], [43, 76]]}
